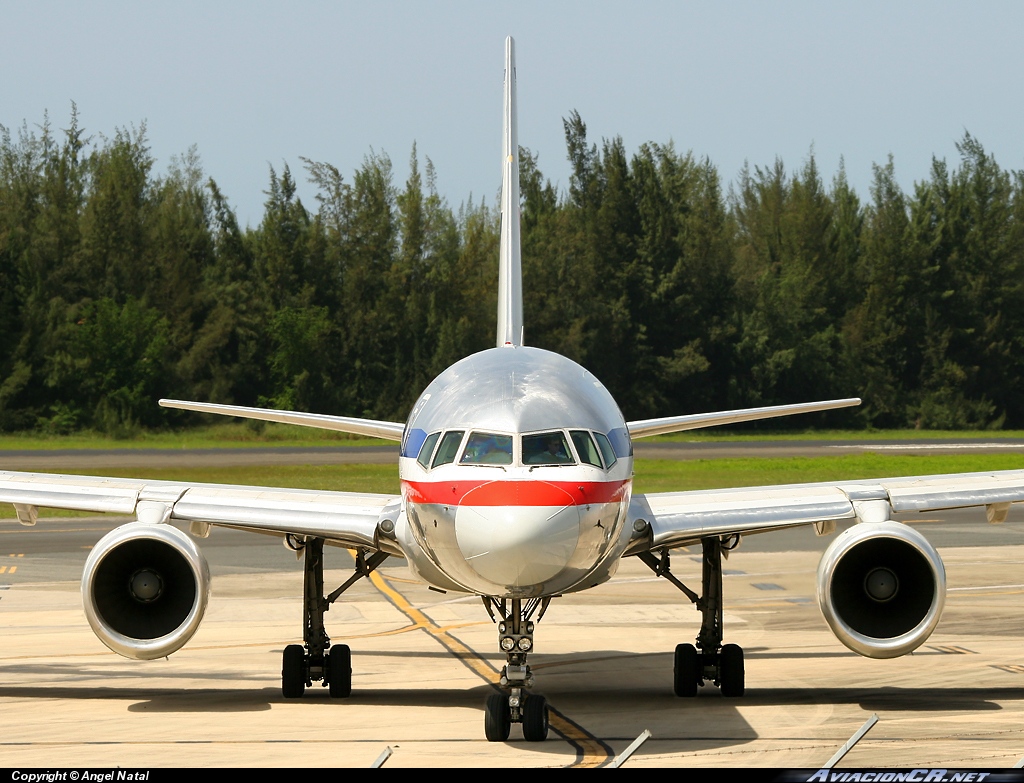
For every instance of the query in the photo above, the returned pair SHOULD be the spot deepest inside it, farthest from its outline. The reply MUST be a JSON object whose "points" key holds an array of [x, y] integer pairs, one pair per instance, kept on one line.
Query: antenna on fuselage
{"points": [[510, 261]]}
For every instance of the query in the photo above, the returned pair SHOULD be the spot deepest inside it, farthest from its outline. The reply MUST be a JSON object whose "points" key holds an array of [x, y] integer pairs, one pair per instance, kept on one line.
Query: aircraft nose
{"points": [[516, 543]]}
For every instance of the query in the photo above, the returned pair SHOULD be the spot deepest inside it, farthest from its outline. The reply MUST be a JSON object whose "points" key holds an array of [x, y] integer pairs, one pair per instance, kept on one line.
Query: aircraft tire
{"points": [[686, 671], [293, 671], [339, 671], [535, 719], [497, 718], [730, 670]]}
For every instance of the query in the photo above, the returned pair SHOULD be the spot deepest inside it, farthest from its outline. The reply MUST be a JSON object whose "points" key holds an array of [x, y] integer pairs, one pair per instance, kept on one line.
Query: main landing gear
{"points": [[515, 704], [317, 659], [709, 660]]}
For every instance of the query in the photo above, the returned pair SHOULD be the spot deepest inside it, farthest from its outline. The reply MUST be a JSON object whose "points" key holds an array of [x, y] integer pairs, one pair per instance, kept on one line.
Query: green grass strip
{"points": [[230, 434], [670, 475]]}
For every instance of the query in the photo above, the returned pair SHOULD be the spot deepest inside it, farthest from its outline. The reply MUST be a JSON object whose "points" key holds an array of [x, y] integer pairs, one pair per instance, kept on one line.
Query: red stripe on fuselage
{"points": [[515, 493]]}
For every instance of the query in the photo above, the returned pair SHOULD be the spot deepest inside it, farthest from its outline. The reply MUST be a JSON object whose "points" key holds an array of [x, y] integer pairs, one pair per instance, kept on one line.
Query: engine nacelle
{"points": [[881, 587], [145, 588]]}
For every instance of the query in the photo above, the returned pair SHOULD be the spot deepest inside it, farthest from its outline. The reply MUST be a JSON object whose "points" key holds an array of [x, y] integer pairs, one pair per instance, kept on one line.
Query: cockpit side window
{"points": [[546, 448], [427, 449], [585, 447], [606, 449], [487, 448], [448, 449]]}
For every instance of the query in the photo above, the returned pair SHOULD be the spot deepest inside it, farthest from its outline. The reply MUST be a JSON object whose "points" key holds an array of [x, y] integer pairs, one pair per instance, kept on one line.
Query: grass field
{"points": [[231, 434], [225, 435]]}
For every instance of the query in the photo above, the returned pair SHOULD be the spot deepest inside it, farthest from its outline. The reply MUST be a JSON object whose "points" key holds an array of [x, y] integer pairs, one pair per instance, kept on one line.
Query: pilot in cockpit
{"points": [[548, 448], [484, 448]]}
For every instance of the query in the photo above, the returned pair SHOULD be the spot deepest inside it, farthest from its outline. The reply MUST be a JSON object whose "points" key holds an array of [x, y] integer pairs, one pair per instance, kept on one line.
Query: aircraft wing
{"points": [[348, 518], [681, 518]]}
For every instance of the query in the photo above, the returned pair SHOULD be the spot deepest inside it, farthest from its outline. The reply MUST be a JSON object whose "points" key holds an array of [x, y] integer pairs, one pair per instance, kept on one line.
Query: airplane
{"points": [[516, 470]]}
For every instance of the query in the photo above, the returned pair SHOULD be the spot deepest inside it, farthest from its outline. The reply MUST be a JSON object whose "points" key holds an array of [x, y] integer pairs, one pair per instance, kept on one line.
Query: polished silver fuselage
{"points": [[517, 530]]}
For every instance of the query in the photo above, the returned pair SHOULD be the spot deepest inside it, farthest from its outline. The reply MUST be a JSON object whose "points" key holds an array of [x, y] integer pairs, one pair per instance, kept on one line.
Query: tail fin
{"points": [[510, 262]]}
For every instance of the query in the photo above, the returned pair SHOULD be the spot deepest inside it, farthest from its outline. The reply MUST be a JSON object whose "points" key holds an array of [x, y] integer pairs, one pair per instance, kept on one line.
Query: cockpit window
{"points": [[427, 449], [487, 448], [585, 447], [606, 449], [448, 449], [546, 448]]}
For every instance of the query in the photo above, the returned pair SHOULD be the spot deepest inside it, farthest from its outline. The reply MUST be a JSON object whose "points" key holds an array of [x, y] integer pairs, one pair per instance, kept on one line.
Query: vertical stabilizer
{"points": [[510, 263]]}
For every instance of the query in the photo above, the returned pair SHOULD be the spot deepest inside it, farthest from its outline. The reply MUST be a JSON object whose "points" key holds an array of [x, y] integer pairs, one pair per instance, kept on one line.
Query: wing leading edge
{"points": [[680, 518], [348, 518]]}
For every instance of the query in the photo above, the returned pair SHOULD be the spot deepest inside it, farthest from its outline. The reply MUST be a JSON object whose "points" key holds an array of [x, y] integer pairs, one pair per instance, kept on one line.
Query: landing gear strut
{"points": [[317, 659], [709, 660], [515, 704]]}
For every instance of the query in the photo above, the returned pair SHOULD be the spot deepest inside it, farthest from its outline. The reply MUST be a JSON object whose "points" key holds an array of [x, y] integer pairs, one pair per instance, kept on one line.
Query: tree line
{"points": [[119, 285]]}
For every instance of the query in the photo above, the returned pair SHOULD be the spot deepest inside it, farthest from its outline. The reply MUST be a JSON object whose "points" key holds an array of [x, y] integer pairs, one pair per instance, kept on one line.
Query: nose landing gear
{"points": [[515, 704]]}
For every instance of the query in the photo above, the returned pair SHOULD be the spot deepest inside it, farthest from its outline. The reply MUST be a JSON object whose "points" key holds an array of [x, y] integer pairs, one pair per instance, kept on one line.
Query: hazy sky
{"points": [[258, 84]]}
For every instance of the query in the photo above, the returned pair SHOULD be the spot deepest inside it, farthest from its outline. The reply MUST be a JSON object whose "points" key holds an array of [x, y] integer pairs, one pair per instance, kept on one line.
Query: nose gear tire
{"points": [[535, 719], [497, 718]]}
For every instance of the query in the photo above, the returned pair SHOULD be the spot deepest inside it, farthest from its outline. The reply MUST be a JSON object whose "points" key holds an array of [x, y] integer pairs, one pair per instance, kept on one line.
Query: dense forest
{"points": [[680, 292]]}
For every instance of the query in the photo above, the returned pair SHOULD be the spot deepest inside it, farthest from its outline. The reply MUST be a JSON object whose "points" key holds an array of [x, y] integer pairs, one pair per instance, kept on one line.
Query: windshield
{"points": [[427, 449], [606, 449], [448, 449], [585, 448], [487, 448], [546, 448]]}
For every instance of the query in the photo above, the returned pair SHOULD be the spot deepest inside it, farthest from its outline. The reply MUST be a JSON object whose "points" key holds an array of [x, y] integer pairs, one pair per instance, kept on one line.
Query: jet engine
{"points": [[145, 588], [881, 587]]}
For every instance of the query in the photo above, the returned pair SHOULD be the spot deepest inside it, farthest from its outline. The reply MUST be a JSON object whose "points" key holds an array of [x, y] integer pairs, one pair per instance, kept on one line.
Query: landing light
{"points": [[525, 644], [508, 643]]}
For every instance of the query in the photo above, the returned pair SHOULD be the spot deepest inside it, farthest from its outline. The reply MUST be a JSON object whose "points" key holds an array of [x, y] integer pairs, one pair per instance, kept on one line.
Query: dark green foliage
{"points": [[790, 286], [107, 364], [119, 286], [225, 359]]}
